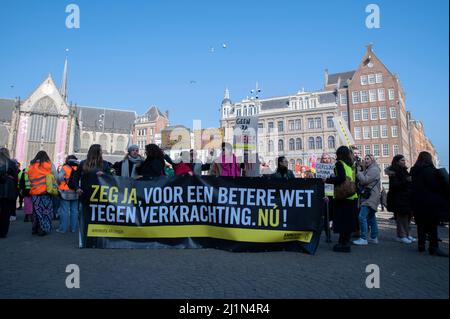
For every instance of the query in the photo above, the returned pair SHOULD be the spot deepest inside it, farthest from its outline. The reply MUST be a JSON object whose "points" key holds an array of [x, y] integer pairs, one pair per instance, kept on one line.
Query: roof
{"points": [[333, 78], [115, 120], [274, 104], [6, 109], [327, 98], [152, 114]]}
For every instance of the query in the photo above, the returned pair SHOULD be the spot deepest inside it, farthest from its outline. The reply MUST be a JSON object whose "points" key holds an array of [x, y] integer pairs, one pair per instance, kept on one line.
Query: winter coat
{"points": [[399, 194], [151, 168], [429, 195], [369, 180], [8, 187], [288, 175]]}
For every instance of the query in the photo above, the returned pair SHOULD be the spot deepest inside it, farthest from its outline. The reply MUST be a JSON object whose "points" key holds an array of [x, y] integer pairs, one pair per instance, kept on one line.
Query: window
{"points": [[331, 142], [270, 127], [364, 79], [121, 146], [291, 125], [260, 125], [373, 113], [298, 144], [385, 150], [356, 115], [376, 150], [311, 143], [383, 114], [393, 111], [307, 103], [395, 149], [381, 94], [318, 143], [344, 115], [313, 104], [245, 111], [357, 133], [330, 123], [384, 131], [238, 112], [367, 150], [375, 131], [343, 99], [394, 131], [372, 95], [318, 122], [85, 141], [355, 97], [280, 126], [379, 78], [298, 125], [371, 78], [366, 132], [391, 94], [365, 114], [311, 123], [364, 97], [270, 146], [280, 146], [291, 144]]}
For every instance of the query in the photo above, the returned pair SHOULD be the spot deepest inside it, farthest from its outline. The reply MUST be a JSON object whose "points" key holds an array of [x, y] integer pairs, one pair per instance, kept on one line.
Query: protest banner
{"points": [[343, 132], [324, 170], [237, 214]]}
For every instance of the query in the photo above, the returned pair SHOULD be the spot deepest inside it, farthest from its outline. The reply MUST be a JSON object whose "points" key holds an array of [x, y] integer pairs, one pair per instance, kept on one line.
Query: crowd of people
{"points": [[421, 193]]}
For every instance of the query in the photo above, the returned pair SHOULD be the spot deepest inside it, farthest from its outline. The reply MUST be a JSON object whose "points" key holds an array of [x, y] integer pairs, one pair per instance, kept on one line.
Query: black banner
{"points": [[237, 214]]}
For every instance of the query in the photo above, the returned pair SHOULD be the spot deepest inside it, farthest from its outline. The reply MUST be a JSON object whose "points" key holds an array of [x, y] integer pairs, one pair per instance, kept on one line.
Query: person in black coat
{"points": [[8, 190], [430, 202], [154, 164], [399, 197], [344, 216]]}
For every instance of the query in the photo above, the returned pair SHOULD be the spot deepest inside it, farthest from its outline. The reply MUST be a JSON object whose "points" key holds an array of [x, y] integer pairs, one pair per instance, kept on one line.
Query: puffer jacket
{"points": [[399, 194]]}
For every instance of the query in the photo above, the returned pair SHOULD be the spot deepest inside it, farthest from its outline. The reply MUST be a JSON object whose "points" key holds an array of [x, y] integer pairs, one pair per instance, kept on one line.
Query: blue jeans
{"points": [[68, 208], [367, 219]]}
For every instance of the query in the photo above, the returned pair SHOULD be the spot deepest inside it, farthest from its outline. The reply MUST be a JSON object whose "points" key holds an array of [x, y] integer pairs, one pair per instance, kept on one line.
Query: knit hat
{"points": [[132, 148]]}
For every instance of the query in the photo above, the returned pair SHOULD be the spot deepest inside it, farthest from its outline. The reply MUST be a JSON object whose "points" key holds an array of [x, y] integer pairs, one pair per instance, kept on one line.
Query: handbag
{"points": [[345, 189], [52, 186]]}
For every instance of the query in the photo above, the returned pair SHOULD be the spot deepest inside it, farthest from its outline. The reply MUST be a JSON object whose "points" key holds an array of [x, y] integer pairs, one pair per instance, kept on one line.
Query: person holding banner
{"points": [[369, 180], [226, 164], [154, 164], [181, 165], [126, 167], [344, 221], [282, 169]]}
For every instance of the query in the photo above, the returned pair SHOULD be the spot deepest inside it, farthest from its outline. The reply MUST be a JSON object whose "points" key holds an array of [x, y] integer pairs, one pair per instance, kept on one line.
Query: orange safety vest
{"points": [[37, 174], [67, 171]]}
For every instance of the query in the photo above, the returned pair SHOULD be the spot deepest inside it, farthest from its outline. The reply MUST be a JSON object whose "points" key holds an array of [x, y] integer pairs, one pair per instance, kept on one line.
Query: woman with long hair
{"points": [[369, 181], [430, 202], [40, 167], [399, 197], [8, 190], [344, 221], [282, 169], [153, 165]]}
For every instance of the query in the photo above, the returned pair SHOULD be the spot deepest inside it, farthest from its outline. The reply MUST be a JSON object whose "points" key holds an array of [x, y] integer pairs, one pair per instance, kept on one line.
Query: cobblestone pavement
{"points": [[34, 267]]}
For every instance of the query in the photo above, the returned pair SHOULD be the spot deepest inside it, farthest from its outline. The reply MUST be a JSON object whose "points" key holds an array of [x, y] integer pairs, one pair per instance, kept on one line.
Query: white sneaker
{"points": [[373, 240], [412, 239], [404, 240], [360, 242], [12, 218]]}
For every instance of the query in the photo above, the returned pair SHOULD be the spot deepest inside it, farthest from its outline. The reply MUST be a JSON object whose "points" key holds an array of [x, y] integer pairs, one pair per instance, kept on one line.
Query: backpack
{"points": [[72, 181], [52, 186]]}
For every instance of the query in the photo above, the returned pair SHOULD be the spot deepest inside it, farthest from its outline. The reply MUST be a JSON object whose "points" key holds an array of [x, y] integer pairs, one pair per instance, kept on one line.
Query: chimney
{"points": [[167, 114], [326, 77]]}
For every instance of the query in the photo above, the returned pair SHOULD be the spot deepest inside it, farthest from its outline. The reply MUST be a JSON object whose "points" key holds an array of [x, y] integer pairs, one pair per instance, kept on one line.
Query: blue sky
{"points": [[132, 54]]}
